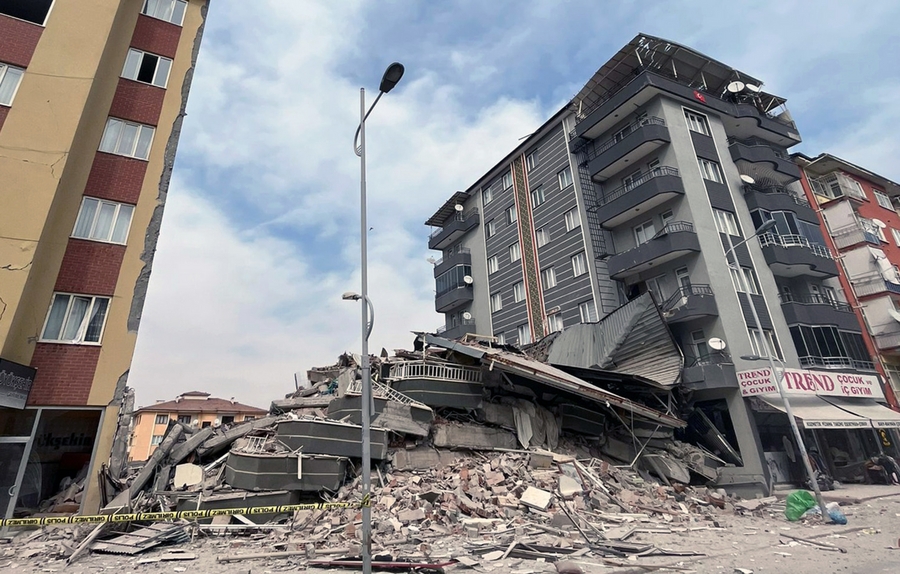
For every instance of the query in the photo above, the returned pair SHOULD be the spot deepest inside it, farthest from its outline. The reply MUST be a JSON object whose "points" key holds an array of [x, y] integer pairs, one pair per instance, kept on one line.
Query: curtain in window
{"points": [[85, 218], [120, 231], [74, 321], [98, 314], [57, 316], [104, 221]]}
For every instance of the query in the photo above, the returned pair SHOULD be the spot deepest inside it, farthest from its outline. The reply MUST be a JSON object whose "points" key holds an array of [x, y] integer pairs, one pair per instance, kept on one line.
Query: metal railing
{"points": [[794, 241], [873, 283], [853, 234], [887, 341], [635, 182], [594, 149], [452, 288], [759, 142], [814, 300], [462, 322], [457, 216], [416, 370], [714, 358], [683, 293], [777, 189], [836, 363], [449, 255], [675, 227], [385, 392]]}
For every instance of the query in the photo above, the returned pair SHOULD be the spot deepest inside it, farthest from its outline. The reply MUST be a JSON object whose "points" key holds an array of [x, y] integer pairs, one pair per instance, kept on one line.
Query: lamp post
{"points": [[770, 355], [391, 76]]}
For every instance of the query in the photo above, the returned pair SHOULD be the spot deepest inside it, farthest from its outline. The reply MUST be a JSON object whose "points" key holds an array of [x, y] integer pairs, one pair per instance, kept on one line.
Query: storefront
{"points": [[841, 416]]}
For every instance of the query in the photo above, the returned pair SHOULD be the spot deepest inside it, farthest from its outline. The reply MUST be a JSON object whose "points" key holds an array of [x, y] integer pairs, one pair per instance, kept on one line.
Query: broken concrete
{"points": [[473, 436]]}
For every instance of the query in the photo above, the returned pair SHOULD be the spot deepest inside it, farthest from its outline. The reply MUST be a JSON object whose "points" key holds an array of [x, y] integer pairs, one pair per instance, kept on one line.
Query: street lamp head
{"points": [[351, 296], [751, 357], [391, 76], [765, 227]]}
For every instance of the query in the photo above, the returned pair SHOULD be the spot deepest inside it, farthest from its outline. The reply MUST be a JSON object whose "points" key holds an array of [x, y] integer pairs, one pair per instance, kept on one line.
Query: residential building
{"points": [[92, 100], [195, 408], [861, 223], [663, 164]]}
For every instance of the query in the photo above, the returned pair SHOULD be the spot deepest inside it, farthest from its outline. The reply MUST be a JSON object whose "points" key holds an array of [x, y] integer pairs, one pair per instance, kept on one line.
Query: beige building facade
{"points": [[92, 99]]}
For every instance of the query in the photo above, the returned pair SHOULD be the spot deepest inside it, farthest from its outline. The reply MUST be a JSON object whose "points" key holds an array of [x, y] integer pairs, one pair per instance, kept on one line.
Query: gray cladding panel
{"points": [[764, 317], [719, 196], [705, 146]]}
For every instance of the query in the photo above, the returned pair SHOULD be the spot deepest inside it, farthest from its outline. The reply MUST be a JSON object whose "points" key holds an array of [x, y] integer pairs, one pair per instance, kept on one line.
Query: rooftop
{"points": [[200, 402], [825, 163]]}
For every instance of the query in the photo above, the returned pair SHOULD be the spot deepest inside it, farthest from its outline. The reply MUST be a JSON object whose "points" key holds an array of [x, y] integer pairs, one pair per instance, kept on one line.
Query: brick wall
{"points": [[116, 177], [90, 267], [3, 112], [64, 374], [18, 40], [137, 102], [156, 36]]}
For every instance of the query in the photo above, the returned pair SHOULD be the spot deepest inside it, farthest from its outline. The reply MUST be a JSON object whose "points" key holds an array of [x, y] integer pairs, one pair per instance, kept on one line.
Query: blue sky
{"points": [[261, 232]]}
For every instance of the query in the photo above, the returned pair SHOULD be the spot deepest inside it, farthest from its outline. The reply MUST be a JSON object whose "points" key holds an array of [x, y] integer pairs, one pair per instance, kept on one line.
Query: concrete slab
{"points": [[423, 458], [536, 498], [473, 437]]}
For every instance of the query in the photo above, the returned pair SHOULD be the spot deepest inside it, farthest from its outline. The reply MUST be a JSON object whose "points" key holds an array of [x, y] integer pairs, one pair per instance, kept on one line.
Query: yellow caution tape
{"points": [[185, 514]]}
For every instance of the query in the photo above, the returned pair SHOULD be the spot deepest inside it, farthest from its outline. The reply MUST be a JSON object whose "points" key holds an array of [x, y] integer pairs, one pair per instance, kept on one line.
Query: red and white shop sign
{"points": [[804, 382]]}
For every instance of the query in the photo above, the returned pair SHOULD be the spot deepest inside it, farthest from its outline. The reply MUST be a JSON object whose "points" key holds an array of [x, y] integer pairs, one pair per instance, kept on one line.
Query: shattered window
{"points": [[147, 68]]}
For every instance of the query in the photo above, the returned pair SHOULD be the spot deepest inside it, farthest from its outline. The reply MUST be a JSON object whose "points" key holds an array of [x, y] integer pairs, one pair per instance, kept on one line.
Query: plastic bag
{"points": [[835, 513], [797, 503]]}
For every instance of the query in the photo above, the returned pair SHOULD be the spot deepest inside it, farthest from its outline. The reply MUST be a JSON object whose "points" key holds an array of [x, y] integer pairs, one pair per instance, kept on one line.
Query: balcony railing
{"points": [[457, 216], [757, 142], [836, 363], [684, 293], [788, 241], [872, 284], [836, 184], [887, 340], [675, 227], [780, 189], [634, 182], [416, 370], [714, 358], [814, 300], [445, 328], [594, 149], [460, 250]]}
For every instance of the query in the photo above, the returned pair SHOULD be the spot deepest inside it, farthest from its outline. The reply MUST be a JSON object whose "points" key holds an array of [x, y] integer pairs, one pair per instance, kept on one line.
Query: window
{"points": [[548, 278], [579, 264], [573, 220], [493, 264], [496, 302], [531, 161], [565, 178], [227, 419], [511, 215], [759, 347], [34, 11], [710, 170], [515, 253], [524, 334], [698, 345], [725, 222], [537, 196], [743, 279], [156, 440], [454, 278], [487, 195], [665, 217], [644, 232], [126, 138], [103, 220], [882, 199], [588, 312], [555, 322], [490, 228], [75, 318], [9, 83], [896, 234], [543, 237], [507, 180], [501, 338], [654, 285], [162, 420], [519, 291], [633, 180], [168, 10], [184, 419], [696, 122], [205, 424], [146, 67]]}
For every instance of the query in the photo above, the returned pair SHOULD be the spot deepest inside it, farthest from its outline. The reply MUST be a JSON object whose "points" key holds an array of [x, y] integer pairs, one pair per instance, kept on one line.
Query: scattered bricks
{"points": [[411, 515]]}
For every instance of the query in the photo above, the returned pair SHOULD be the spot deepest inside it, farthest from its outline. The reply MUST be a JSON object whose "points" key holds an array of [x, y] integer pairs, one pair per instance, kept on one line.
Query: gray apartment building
{"points": [[661, 164]]}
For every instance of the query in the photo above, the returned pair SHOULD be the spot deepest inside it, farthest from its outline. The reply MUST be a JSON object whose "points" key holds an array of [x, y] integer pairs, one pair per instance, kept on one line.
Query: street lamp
{"points": [[770, 355], [391, 76]]}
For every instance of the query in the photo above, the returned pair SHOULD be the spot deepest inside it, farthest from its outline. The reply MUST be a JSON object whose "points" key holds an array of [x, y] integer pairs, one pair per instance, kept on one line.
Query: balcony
{"points": [[713, 371], [887, 341], [674, 240], [691, 302], [835, 185], [795, 255], [454, 228], [465, 327], [873, 284], [863, 231], [626, 147], [749, 121], [817, 310], [749, 153], [778, 198], [444, 264], [812, 362], [453, 299], [642, 193]]}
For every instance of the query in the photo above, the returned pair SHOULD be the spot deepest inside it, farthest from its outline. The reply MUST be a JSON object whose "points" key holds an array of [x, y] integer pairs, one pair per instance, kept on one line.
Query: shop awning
{"points": [[817, 413], [880, 415]]}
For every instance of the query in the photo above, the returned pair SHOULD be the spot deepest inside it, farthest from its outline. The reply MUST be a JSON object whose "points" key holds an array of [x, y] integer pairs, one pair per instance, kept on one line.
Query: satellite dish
{"points": [[468, 280], [431, 260], [879, 224], [748, 180], [752, 88], [717, 344], [467, 315], [736, 87], [458, 207]]}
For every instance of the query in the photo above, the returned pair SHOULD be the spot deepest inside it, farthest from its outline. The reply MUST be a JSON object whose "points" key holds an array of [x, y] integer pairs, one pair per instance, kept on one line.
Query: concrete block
{"points": [[568, 486], [423, 458], [411, 515], [473, 436], [536, 498]]}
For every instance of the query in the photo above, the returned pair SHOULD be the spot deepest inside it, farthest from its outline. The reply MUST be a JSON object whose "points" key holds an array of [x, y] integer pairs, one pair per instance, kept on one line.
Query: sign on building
{"points": [[15, 384], [805, 382]]}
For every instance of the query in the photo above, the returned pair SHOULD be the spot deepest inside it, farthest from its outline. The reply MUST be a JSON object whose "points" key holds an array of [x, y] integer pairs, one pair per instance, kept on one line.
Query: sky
{"points": [[261, 230]]}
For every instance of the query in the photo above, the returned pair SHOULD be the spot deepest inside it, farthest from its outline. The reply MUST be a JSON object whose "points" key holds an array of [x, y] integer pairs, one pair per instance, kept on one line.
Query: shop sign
{"points": [[15, 384], [806, 382]]}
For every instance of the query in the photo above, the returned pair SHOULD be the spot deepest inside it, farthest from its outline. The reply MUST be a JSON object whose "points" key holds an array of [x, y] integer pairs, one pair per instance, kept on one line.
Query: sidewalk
{"points": [[850, 493]]}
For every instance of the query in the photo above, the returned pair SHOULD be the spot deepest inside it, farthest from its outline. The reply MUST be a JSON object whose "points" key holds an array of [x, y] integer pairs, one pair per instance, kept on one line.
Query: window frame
{"points": [[726, 222], [173, 3], [573, 219], [41, 24], [4, 73], [709, 167], [496, 302], [501, 338], [114, 224], [142, 54], [896, 234], [881, 198], [156, 439], [85, 322], [490, 228], [519, 292], [523, 334], [506, 180], [541, 236], [537, 196], [579, 260], [640, 229], [698, 119], [512, 215], [487, 195], [161, 419], [531, 161], [137, 138], [515, 252], [564, 177], [585, 308], [184, 419], [555, 322], [493, 264], [548, 278]]}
